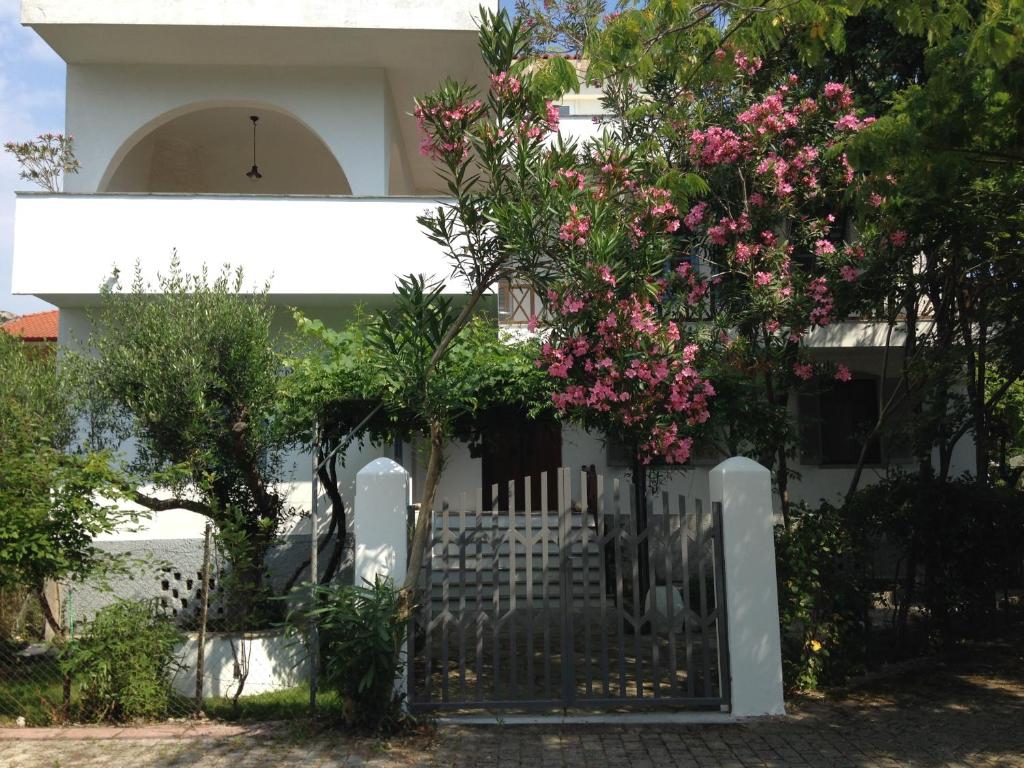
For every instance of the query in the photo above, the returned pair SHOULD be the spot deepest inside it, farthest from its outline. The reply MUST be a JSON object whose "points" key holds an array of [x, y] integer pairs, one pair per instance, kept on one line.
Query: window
{"points": [[835, 420], [521, 448]]}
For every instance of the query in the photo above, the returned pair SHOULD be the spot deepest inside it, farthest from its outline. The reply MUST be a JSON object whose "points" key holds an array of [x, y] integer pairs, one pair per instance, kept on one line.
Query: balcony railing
{"points": [[68, 245]]}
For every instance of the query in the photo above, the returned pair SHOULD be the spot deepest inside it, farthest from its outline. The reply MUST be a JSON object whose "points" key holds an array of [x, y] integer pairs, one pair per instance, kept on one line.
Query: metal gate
{"points": [[539, 609]]}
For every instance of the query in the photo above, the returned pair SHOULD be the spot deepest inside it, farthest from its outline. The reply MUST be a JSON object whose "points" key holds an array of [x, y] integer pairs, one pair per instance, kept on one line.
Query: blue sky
{"points": [[31, 102]]}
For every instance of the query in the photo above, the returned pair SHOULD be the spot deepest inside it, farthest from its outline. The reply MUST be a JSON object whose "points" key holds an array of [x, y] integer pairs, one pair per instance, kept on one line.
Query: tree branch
{"points": [[161, 505]]}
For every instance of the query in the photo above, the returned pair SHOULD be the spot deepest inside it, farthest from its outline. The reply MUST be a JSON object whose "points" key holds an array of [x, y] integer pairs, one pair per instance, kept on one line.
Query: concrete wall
{"points": [[313, 251], [111, 108], [275, 662]]}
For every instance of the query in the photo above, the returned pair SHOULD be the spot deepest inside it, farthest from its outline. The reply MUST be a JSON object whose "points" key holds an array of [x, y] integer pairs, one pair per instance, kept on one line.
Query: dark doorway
{"points": [[520, 447]]}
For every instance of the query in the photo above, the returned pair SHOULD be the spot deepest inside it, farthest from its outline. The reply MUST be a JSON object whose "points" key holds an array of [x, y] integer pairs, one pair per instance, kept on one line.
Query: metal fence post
{"points": [[203, 614], [314, 572]]}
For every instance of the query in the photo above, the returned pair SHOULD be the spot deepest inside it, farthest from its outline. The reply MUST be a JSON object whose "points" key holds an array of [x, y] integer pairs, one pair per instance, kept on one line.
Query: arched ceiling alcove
{"points": [[209, 150]]}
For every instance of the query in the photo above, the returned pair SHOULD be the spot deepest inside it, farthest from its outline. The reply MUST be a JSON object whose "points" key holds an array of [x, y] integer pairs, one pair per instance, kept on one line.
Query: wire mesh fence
{"points": [[98, 669]]}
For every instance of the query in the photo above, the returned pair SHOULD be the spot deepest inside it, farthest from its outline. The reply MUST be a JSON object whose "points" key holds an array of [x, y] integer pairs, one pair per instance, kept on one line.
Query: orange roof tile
{"points": [[39, 326]]}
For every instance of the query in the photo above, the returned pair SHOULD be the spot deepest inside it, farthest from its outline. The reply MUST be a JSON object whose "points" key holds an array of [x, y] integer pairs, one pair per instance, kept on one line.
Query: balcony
{"points": [[67, 245]]}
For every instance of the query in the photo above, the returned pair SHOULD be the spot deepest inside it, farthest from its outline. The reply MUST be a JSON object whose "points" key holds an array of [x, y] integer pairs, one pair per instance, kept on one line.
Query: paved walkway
{"points": [[969, 713]]}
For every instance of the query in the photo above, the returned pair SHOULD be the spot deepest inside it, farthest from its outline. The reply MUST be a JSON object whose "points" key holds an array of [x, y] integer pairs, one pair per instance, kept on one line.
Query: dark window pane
{"points": [[848, 412], [525, 448]]}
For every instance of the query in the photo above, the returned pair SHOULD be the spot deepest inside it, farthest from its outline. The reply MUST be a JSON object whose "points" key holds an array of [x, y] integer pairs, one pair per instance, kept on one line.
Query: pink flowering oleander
{"points": [[762, 278], [695, 216], [572, 178], [748, 66], [843, 373], [505, 85], [823, 247], [899, 238], [838, 93], [848, 273], [803, 371], [552, 116], [655, 394], [576, 229], [717, 146]]}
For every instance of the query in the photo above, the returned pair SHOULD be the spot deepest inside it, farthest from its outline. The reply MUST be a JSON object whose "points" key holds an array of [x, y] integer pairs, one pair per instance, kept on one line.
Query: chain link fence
{"points": [[242, 675]]}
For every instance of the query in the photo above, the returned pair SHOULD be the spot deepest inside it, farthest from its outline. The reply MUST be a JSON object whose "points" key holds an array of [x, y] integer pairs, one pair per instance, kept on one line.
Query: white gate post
{"points": [[381, 515], [744, 489]]}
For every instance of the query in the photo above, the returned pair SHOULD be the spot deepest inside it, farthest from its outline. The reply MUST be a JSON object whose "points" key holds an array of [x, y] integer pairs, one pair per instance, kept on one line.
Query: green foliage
{"points": [[187, 368], [823, 597], [45, 160], [124, 664], [560, 27], [382, 358], [54, 502], [362, 637], [960, 542]]}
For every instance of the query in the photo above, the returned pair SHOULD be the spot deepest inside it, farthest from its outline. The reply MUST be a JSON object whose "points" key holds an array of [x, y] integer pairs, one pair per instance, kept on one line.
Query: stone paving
{"points": [[969, 713]]}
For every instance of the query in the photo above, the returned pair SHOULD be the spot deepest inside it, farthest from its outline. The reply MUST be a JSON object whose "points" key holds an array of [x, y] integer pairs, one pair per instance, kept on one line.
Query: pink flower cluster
{"points": [[631, 365], [769, 116], [748, 66], [444, 129], [576, 229], [839, 94], [717, 146], [729, 227], [695, 216], [821, 295], [573, 178], [552, 116], [696, 288], [505, 85]]}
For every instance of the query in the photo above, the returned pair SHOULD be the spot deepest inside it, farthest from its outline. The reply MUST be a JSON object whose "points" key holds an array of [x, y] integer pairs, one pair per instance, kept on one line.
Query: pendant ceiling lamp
{"points": [[254, 172]]}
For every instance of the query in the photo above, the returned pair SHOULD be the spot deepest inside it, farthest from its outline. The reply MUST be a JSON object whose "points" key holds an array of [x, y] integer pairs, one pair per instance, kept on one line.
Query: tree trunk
{"points": [[423, 520]]}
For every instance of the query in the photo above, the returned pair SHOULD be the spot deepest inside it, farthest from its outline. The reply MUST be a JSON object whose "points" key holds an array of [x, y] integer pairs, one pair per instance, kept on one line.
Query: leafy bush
{"points": [[124, 663], [362, 636], [823, 597], [959, 543]]}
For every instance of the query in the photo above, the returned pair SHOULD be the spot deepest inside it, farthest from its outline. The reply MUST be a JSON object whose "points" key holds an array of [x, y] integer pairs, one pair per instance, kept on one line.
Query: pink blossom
{"points": [[552, 116], [762, 278], [843, 373], [695, 216], [848, 273], [505, 85], [717, 146], [803, 371], [576, 229], [839, 93], [899, 238], [823, 247]]}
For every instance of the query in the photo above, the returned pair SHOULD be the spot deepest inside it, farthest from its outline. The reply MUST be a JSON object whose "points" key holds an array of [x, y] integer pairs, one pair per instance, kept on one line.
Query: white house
{"points": [[160, 97]]}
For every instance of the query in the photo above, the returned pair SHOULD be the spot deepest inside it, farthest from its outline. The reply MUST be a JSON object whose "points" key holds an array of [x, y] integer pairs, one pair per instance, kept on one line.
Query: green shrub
{"points": [[362, 636], [823, 597], [959, 544], [124, 663]]}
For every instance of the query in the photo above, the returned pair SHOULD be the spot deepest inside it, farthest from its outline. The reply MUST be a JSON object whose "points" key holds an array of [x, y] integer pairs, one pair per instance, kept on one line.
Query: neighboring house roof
{"points": [[39, 326]]}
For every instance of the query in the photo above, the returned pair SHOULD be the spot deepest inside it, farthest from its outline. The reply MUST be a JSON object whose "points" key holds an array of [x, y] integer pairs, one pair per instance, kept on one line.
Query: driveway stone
{"points": [[968, 713]]}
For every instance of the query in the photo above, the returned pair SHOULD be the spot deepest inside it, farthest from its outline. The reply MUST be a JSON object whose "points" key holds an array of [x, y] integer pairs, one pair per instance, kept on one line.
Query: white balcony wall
{"points": [[113, 108], [309, 249]]}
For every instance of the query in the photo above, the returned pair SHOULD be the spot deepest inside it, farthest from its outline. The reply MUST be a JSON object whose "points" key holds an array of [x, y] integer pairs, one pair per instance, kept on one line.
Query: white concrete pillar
{"points": [[380, 512], [744, 489]]}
